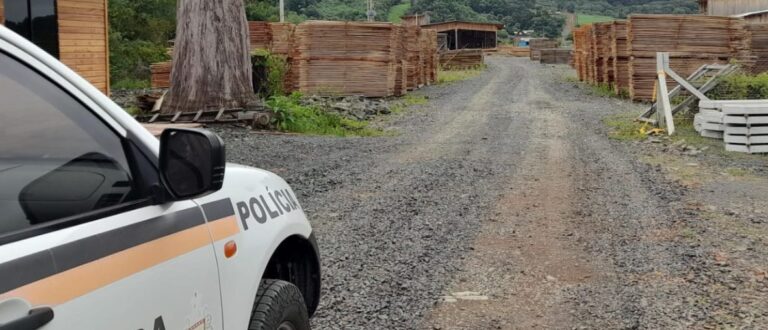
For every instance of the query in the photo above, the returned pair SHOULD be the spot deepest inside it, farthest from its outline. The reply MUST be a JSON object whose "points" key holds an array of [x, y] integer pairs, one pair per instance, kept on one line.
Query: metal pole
{"points": [[282, 11]]}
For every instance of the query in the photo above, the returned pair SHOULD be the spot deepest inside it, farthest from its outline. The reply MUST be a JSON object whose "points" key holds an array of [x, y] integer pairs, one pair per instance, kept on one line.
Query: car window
{"points": [[57, 159]]}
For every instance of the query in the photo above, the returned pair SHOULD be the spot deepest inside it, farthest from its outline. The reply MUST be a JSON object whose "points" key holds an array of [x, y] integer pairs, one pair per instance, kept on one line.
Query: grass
{"points": [[582, 19], [130, 84], [603, 90], [291, 116], [452, 76], [624, 127], [736, 172], [397, 12], [413, 99]]}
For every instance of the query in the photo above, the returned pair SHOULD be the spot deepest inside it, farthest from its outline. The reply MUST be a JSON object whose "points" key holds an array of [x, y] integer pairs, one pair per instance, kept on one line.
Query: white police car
{"points": [[103, 226]]}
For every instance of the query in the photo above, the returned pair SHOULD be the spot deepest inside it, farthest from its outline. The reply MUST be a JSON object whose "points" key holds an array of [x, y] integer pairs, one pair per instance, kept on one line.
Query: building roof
{"points": [[463, 25], [759, 12]]}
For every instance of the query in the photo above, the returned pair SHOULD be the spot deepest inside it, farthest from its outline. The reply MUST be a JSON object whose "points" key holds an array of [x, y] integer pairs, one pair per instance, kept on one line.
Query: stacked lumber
{"points": [[759, 45], [346, 58], [462, 59], [259, 34], [412, 51], [509, 50], [555, 56], [608, 76], [161, 74], [580, 52], [537, 44], [620, 57], [282, 38], [692, 41], [432, 57], [600, 50]]}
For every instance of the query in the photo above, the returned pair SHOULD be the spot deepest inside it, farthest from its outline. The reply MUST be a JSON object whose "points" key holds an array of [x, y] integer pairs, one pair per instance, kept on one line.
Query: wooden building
{"points": [[74, 31], [468, 35], [731, 7], [756, 17]]}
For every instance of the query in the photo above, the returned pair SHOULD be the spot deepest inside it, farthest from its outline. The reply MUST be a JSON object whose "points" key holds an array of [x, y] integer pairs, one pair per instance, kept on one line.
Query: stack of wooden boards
{"points": [[161, 74], [513, 51], [555, 56], [537, 44], [759, 42], [462, 59], [344, 58], [623, 54], [742, 124]]}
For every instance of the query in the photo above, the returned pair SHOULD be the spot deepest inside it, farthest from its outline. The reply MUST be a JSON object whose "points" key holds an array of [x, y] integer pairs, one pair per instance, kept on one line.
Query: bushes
{"points": [[269, 73], [292, 116], [742, 87]]}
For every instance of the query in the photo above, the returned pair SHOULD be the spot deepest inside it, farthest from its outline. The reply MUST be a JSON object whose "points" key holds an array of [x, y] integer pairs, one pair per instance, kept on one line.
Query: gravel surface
{"points": [[505, 185]]}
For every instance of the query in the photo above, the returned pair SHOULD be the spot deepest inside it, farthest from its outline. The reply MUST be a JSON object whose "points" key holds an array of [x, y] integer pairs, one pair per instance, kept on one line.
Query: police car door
{"points": [[81, 245]]}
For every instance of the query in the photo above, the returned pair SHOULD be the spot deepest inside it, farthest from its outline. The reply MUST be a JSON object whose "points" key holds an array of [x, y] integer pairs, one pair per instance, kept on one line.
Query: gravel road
{"points": [[504, 187]]}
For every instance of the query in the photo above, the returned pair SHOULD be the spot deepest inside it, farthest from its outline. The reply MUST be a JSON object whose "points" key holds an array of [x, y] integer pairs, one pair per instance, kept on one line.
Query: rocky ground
{"points": [[503, 204]]}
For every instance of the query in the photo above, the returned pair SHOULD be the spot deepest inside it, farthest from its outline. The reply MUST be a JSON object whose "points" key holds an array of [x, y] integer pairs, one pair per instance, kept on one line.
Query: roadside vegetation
{"points": [[742, 87], [292, 116], [452, 76]]}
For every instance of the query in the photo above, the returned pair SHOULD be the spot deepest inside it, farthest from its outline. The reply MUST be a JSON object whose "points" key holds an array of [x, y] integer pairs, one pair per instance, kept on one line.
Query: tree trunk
{"points": [[211, 57]]}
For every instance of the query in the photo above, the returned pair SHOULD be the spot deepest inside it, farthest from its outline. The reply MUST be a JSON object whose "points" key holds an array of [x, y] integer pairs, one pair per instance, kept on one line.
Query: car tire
{"points": [[279, 306]]}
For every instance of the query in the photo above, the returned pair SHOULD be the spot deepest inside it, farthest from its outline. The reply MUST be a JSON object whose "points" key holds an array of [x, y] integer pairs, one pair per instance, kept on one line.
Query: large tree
{"points": [[211, 60]]}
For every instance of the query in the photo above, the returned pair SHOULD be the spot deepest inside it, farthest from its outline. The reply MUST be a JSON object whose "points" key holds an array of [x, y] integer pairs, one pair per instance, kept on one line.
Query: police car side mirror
{"points": [[192, 162]]}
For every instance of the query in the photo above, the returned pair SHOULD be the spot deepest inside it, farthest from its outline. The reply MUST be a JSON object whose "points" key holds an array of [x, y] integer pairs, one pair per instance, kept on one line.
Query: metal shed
{"points": [[468, 35]]}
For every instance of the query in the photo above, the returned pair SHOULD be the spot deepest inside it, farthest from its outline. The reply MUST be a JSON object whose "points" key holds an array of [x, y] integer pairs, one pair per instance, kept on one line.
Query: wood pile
{"points": [[580, 52], [600, 50], [555, 56], [759, 45], [537, 44], [462, 59], [692, 41], [161, 74], [620, 57], [509, 50], [346, 58], [259, 34]]}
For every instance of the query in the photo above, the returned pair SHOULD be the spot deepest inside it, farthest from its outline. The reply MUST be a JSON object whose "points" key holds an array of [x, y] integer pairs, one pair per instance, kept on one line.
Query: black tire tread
{"points": [[272, 299]]}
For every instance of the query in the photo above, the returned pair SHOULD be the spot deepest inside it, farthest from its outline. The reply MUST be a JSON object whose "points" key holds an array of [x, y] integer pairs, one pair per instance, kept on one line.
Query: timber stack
{"points": [[513, 51], [462, 59], [537, 44], [759, 44], [579, 52], [555, 56], [692, 41], [344, 58], [623, 53], [620, 57], [161, 75]]}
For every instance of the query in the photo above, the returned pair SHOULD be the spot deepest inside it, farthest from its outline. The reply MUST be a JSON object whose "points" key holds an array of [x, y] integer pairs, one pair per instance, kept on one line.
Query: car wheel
{"points": [[279, 306]]}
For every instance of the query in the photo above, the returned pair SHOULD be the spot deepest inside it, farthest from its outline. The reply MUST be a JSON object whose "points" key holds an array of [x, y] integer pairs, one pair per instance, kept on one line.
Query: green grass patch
{"points": [[582, 19], [603, 90], [452, 76], [624, 127], [413, 99], [129, 83], [397, 12], [291, 116], [736, 172]]}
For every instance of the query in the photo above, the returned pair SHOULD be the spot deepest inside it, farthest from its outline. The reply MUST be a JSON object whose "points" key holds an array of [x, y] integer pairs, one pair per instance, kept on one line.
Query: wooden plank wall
{"points": [[83, 39], [2, 12]]}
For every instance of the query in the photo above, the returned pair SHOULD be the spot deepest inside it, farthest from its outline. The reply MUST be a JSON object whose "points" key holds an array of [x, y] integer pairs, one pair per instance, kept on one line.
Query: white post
{"points": [[282, 11], [661, 63]]}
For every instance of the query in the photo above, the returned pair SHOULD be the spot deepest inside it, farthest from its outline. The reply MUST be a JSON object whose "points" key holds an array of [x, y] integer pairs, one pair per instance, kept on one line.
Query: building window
{"points": [[35, 20]]}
